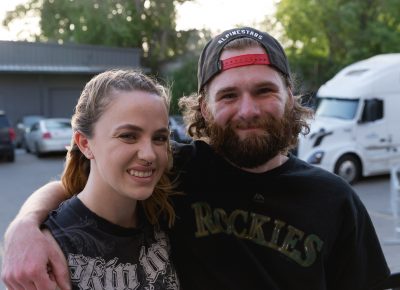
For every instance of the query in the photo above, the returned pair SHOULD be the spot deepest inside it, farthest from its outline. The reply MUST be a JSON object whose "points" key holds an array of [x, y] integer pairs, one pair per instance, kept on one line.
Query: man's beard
{"points": [[273, 137]]}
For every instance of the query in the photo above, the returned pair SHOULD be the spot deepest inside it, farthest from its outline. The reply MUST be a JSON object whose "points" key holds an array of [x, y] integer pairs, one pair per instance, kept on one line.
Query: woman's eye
{"points": [[161, 139], [127, 137]]}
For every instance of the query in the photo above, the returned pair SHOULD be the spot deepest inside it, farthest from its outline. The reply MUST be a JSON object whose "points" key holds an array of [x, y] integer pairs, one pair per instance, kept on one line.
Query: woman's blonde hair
{"points": [[93, 101]]}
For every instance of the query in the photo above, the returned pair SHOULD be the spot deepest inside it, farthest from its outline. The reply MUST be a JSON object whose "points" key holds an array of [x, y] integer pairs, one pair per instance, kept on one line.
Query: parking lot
{"points": [[19, 179]]}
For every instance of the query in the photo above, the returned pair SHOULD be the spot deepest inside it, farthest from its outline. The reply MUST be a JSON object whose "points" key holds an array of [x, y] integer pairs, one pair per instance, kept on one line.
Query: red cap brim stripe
{"points": [[244, 60]]}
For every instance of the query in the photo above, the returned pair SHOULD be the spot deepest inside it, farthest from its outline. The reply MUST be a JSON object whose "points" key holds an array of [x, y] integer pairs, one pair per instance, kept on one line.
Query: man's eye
{"points": [[264, 91], [228, 96]]}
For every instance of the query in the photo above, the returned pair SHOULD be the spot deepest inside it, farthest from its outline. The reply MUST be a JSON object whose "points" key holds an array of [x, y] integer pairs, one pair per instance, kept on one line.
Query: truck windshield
{"points": [[337, 108]]}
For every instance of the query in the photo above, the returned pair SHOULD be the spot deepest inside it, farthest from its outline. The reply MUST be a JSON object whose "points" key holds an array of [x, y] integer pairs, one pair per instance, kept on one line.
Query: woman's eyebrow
{"points": [[130, 127]]}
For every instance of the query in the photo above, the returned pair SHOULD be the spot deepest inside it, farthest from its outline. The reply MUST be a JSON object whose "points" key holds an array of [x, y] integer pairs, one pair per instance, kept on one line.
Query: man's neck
{"points": [[277, 161]]}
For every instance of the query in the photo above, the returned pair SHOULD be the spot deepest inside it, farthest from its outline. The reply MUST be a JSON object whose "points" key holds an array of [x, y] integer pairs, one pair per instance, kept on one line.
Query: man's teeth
{"points": [[140, 173]]}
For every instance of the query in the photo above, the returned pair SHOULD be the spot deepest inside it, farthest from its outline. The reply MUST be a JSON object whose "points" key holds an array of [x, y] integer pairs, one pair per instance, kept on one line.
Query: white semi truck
{"points": [[356, 130]]}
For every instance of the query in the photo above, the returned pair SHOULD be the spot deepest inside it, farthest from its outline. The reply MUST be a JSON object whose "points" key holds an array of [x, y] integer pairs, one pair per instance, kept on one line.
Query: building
{"points": [[47, 79]]}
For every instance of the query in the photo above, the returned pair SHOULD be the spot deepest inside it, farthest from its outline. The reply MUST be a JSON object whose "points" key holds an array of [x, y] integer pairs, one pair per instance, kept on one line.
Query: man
{"points": [[252, 216]]}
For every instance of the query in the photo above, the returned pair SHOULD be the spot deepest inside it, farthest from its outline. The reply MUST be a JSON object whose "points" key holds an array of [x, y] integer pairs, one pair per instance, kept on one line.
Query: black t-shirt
{"points": [[293, 227], [102, 255]]}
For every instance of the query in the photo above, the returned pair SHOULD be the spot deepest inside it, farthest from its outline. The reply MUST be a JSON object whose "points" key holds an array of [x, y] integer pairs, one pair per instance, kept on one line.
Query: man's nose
{"points": [[248, 107]]}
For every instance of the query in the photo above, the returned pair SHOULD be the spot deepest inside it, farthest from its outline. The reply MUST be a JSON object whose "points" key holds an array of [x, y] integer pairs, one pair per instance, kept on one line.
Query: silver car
{"points": [[49, 135], [23, 126]]}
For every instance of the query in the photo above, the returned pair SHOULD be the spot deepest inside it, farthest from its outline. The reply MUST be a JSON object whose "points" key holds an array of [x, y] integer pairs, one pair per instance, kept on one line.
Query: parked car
{"points": [[49, 135], [178, 130], [23, 126], [7, 136]]}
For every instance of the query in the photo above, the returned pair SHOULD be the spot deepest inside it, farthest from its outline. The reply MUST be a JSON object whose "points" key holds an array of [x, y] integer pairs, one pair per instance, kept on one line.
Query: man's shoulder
{"points": [[315, 176]]}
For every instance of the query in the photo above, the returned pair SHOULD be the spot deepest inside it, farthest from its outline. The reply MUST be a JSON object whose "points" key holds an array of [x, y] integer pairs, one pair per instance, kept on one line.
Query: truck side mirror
{"points": [[372, 111]]}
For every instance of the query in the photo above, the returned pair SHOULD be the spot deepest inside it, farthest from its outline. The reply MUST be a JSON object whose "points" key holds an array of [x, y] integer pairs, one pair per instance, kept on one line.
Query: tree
{"points": [[148, 24], [183, 78], [323, 36], [184, 83]]}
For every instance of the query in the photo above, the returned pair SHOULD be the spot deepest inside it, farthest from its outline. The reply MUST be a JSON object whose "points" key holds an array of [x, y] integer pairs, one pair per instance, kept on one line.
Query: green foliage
{"points": [[184, 82], [183, 79], [148, 24], [323, 36]]}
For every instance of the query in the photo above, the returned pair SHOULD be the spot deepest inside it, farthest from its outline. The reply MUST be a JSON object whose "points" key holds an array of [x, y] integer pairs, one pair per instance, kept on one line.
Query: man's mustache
{"points": [[259, 123]]}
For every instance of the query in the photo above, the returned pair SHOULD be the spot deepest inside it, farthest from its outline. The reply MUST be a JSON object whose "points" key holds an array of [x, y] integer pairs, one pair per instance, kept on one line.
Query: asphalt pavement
{"points": [[378, 194], [18, 180]]}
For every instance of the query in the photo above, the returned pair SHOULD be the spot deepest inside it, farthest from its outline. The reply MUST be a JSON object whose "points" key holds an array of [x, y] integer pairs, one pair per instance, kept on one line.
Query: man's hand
{"points": [[32, 259]]}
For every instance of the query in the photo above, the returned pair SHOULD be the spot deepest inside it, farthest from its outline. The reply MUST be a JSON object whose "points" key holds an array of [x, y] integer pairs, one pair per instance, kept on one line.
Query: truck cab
{"points": [[356, 131]]}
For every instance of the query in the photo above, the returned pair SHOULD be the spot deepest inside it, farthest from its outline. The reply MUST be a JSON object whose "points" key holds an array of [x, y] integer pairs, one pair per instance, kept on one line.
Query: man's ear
{"points": [[83, 143], [205, 110]]}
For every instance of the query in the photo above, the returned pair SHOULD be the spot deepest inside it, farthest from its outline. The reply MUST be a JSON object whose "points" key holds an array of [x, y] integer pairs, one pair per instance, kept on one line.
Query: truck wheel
{"points": [[349, 168]]}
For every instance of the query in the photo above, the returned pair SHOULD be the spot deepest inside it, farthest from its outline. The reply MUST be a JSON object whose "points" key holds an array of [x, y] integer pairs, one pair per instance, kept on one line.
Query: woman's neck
{"points": [[111, 206]]}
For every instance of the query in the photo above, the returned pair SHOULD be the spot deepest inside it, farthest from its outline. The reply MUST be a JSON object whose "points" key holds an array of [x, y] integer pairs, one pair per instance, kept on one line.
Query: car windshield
{"points": [[52, 124], [337, 108], [29, 120]]}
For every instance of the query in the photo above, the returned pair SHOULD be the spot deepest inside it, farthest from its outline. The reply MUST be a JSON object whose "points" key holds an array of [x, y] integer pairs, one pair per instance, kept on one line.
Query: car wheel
{"points": [[24, 145], [349, 168], [11, 157], [38, 152]]}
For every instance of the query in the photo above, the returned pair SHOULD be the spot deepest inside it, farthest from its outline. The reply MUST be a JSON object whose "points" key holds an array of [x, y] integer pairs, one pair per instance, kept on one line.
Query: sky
{"points": [[217, 15]]}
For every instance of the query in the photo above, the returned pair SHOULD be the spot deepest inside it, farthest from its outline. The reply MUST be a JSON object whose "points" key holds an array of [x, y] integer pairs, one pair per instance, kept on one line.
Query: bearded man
{"points": [[252, 215]]}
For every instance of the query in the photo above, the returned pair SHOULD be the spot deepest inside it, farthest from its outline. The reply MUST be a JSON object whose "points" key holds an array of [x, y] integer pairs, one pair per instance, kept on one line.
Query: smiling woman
{"points": [[116, 174]]}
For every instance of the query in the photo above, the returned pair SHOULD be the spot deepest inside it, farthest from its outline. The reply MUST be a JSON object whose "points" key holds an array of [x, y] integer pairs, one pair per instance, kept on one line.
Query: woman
{"points": [[116, 172]]}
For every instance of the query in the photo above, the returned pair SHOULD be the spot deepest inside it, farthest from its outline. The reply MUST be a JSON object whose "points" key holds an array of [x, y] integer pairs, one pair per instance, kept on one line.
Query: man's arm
{"points": [[33, 260]]}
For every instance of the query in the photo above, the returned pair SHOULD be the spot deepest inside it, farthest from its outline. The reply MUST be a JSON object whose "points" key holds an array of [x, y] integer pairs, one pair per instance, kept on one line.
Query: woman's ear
{"points": [[83, 143]]}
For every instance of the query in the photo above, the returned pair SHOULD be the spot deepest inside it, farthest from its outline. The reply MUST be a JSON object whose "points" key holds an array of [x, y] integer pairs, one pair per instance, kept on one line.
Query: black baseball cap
{"points": [[210, 65]]}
